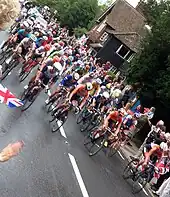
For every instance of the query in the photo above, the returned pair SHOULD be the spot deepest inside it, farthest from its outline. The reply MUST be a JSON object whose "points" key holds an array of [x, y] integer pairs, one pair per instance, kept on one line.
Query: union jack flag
{"points": [[8, 98]]}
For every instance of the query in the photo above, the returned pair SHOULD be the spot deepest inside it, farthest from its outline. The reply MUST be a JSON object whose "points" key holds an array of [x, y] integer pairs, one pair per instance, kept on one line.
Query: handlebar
{"points": [[110, 131]]}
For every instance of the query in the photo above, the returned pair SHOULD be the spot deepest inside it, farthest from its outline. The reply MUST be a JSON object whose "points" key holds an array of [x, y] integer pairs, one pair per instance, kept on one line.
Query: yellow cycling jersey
{"points": [[94, 90]]}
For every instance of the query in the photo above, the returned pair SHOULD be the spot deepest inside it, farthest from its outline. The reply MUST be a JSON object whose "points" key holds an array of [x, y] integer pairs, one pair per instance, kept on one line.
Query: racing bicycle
{"points": [[30, 94], [138, 174]]}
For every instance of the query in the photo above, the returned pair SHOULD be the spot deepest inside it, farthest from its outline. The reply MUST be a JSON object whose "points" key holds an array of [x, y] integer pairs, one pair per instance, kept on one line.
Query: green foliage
{"points": [[151, 67], [112, 74], [74, 13], [103, 7], [79, 31]]}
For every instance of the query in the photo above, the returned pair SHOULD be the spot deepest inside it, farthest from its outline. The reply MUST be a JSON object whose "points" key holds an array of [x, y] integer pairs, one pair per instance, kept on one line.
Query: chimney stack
{"points": [[140, 7]]}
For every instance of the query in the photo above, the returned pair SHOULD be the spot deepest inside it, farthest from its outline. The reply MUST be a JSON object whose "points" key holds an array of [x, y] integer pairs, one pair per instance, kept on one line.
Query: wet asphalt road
{"points": [[44, 169]]}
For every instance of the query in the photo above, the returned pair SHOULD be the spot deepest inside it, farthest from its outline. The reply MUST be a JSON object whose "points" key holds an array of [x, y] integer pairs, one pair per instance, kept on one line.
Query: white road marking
{"points": [[145, 192], [61, 129], [143, 189], [49, 93], [2, 44], [121, 155], [78, 176]]}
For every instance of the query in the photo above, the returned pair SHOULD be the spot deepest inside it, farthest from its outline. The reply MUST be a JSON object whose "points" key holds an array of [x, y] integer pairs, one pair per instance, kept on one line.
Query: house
{"points": [[117, 34]]}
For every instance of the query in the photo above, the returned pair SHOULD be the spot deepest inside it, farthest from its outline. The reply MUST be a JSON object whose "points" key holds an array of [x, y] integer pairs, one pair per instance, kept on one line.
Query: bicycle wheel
{"points": [[54, 102], [82, 115], [2, 56], [130, 169], [58, 121], [29, 100], [97, 145], [5, 56], [140, 181], [9, 69], [88, 139], [52, 105], [86, 123], [94, 124], [23, 75], [114, 148], [55, 114]]}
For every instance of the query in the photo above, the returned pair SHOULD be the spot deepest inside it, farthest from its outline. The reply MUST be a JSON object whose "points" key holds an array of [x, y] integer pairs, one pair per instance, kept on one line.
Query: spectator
{"points": [[107, 66], [9, 11], [164, 190]]}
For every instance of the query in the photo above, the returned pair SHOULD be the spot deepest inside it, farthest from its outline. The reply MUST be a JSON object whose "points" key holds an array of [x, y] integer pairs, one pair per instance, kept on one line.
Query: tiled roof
{"points": [[126, 19]]}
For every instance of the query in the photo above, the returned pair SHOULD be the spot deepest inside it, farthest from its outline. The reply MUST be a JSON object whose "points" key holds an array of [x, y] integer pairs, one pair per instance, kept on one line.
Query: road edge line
{"points": [[78, 176]]}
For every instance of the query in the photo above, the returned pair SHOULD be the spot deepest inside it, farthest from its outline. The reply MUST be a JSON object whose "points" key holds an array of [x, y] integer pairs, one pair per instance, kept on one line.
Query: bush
{"points": [[112, 74]]}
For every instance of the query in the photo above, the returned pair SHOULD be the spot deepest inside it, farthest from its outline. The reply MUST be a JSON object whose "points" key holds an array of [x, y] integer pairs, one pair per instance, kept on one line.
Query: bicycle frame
{"points": [[30, 65]]}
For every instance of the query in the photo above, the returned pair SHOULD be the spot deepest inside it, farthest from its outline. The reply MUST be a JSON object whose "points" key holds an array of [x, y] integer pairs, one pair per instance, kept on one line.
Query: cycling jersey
{"points": [[68, 81], [99, 103], [39, 42], [95, 90], [54, 53], [152, 151], [26, 44], [115, 116], [46, 75], [81, 91], [40, 50], [49, 62], [22, 35], [128, 121], [46, 71]]}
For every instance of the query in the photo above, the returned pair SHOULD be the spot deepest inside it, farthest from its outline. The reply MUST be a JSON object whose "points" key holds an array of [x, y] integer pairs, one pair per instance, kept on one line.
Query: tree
{"points": [[104, 6], [151, 67], [79, 31], [74, 13]]}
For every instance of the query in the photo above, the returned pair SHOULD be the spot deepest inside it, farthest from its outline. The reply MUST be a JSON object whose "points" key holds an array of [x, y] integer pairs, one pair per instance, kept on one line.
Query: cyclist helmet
{"points": [[95, 84], [121, 111], [167, 136], [46, 8], [160, 123], [33, 37], [49, 33], [164, 146], [106, 95], [87, 67], [70, 58], [89, 86], [56, 45], [99, 81], [76, 76], [37, 34], [56, 59], [28, 29], [26, 25], [57, 66], [77, 55], [61, 44], [45, 38], [47, 47], [108, 86]]}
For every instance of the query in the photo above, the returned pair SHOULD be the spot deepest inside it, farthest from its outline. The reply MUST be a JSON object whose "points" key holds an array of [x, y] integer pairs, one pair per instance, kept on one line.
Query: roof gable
{"points": [[125, 19]]}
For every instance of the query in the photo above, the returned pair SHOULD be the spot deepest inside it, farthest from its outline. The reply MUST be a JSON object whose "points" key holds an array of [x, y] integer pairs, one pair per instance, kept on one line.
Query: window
{"points": [[101, 26], [125, 53], [131, 57], [104, 37]]}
